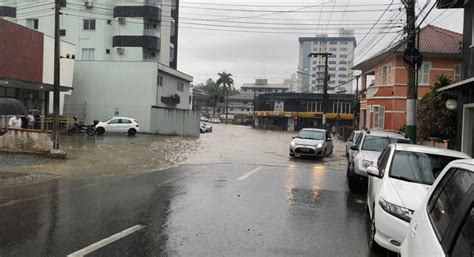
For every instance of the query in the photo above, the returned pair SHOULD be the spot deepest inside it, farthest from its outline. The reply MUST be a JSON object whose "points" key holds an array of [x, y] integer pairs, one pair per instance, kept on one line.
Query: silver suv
{"points": [[366, 152]]}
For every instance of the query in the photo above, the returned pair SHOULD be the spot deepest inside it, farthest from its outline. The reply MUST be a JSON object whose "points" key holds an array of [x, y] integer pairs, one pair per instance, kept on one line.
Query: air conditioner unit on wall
{"points": [[121, 50], [88, 4], [121, 20]]}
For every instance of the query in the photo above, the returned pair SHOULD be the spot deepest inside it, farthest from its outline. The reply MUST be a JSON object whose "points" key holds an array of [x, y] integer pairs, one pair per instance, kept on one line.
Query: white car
{"points": [[204, 127], [352, 141], [444, 224], [366, 152], [312, 143], [398, 185], [118, 125]]}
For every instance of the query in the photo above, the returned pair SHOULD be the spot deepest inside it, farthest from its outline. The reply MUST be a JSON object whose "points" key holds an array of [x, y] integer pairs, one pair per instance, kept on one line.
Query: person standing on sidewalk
{"points": [[31, 120], [15, 122]]}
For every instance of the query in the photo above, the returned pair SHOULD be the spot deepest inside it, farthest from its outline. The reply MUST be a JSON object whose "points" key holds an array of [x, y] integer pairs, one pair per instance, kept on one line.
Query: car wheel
{"points": [[354, 183], [91, 131], [372, 244], [292, 155], [132, 132], [100, 130]]}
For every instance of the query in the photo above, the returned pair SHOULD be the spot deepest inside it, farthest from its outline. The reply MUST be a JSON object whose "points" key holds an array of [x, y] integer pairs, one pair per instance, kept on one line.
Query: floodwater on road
{"points": [[237, 194]]}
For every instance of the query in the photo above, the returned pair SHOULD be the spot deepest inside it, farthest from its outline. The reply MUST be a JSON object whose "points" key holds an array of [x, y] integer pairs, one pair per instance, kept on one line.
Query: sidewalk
{"points": [[97, 156]]}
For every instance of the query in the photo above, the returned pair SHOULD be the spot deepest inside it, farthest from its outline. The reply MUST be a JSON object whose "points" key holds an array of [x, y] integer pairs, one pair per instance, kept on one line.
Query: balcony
{"points": [[152, 12], [145, 41], [7, 11]]}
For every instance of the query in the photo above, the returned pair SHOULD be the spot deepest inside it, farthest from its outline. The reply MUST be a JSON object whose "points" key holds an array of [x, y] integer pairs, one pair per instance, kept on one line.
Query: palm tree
{"points": [[225, 80]]}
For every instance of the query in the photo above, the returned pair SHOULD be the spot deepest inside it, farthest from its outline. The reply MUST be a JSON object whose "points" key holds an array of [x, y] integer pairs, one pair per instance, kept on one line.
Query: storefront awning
{"points": [[466, 82], [15, 83]]}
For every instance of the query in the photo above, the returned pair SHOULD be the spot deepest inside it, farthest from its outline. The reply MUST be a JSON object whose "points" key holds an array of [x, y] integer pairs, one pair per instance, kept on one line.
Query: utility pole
{"points": [[254, 105], [57, 56], [325, 85], [356, 96], [413, 61]]}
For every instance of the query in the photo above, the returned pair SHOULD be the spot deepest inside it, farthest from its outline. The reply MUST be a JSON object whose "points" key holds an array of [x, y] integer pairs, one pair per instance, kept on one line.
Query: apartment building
{"points": [[340, 62], [463, 90], [126, 58], [261, 86]]}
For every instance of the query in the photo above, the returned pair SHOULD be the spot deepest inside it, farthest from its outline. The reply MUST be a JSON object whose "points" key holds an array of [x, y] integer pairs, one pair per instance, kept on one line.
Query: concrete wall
{"points": [[129, 87], [26, 141], [174, 122]]}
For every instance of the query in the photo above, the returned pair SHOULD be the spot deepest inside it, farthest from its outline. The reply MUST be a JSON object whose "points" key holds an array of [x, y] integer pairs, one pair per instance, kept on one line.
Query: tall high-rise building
{"points": [[311, 69]]}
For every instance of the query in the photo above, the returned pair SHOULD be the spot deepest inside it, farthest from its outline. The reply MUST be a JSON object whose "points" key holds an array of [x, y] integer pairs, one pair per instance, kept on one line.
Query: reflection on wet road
{"points": [[285, 208]]}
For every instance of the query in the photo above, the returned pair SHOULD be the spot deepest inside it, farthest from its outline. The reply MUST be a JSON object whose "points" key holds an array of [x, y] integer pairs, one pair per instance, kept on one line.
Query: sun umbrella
{"points": [[10, 106]]}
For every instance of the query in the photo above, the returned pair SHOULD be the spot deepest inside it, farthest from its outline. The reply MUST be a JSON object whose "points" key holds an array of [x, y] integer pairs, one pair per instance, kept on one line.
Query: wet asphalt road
{"points": [[255, 207]]}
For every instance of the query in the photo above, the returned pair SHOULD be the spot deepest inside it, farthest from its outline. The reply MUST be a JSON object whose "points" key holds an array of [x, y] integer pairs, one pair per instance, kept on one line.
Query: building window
{"points": [[342, 75], [343, 49], [180, 86], [332, 82], [384, 75], [344, 43], [62, 32], [342, 68], [333, 43], [379, 116], [341, 82], [160, 81], [457, 72], [89, 24], [333, 56], [88, 54], [109, 22], [424, 74], [245, 90], [332, 68], [342, 62], [107, 51], [343, 55], [332, 62], [32, 23], [332, 49]]}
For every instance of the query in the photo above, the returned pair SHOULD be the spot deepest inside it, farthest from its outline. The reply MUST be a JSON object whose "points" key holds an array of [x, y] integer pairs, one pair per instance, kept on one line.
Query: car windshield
{"points": [[311, 134], [377, 143], [418, 167]]}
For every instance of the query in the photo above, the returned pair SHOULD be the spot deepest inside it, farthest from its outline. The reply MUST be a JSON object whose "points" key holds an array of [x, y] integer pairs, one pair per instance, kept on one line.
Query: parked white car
{"points": [[118, 125], [352, 141], [204, 127], [366, 152], [444, 224], [312, 143], [398, 185]]}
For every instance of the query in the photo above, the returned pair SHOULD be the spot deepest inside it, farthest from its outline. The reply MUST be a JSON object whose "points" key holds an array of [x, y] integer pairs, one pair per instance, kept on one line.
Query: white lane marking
{"points": [[105, 241], [250, 173]]}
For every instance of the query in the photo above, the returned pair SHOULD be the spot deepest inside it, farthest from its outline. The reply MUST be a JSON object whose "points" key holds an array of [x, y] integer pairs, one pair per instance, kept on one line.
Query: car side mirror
{"points": [[293, 137], [374, 172], [355, 148]]}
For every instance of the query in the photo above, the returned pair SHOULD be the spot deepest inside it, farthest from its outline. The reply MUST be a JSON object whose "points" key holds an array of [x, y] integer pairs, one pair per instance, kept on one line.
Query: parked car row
{"points": [[210, 120], [398, 177]]}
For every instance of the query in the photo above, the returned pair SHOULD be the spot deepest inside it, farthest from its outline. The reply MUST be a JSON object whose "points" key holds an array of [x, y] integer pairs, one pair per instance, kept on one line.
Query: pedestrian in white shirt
{"points": [[31, 120], [15, 122]]}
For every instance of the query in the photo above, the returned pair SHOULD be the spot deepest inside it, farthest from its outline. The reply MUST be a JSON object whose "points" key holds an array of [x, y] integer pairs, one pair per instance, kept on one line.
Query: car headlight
{"points": [[293, 144], [319, 145], [367, 163], [397, 211]]}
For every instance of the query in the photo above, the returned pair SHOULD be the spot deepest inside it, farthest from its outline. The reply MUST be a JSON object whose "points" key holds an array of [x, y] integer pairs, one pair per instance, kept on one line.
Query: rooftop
{"points": [[433, 41]]}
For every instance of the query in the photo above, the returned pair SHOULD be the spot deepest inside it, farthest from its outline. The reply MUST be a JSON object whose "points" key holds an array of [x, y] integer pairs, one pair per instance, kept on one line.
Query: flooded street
{"points": [[236, 194]]}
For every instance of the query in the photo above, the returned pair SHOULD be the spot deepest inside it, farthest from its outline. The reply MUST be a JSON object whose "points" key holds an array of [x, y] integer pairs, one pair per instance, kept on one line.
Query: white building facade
{"points": [[126, 55], [340, 62]]}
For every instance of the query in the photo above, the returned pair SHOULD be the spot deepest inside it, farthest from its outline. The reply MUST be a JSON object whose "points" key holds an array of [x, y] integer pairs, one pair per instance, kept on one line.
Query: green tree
{"points": [[225, 80], [434, 119]]}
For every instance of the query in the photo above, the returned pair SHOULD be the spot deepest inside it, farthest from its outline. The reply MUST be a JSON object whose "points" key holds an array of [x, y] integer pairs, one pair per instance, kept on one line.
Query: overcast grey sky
{"points": [[203, 53]]}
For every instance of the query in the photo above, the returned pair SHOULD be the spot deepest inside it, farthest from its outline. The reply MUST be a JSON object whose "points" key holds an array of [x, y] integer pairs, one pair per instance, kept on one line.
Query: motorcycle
{"points": [[79, 127]]}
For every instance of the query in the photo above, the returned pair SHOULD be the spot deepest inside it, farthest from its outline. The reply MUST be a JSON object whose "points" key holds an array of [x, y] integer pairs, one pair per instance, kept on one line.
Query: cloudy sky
{"points": [[255, 39]]}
